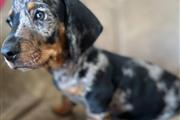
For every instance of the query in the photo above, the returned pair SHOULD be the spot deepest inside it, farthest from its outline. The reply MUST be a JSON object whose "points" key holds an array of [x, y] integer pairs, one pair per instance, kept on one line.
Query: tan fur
{"points": [[36, 52], [57, 50], [76, 90], [30, 6], [64, 108]]}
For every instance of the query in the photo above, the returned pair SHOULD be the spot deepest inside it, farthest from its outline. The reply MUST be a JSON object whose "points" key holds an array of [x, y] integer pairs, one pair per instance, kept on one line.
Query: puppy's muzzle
{"points": [[10, 48]]}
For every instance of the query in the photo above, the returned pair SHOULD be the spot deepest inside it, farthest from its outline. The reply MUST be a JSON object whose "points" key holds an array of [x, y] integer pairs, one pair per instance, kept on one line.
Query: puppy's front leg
{"points": [[64, 108], [101, 116]]}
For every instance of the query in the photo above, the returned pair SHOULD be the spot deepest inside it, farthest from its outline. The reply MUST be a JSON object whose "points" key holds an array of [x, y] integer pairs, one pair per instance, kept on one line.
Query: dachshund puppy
{"points": [[59, 35]]}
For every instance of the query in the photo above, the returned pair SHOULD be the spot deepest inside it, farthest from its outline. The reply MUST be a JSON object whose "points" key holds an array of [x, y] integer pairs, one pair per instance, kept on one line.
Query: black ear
{"points": [[82, 27]]}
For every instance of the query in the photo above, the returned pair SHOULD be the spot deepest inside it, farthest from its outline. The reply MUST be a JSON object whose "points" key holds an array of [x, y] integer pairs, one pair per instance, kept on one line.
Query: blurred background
{"points": [[143, 29]]}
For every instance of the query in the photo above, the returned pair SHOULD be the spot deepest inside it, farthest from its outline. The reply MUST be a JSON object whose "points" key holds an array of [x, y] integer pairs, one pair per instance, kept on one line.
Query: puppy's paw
{"points": [[63, 109], [99, 117]]}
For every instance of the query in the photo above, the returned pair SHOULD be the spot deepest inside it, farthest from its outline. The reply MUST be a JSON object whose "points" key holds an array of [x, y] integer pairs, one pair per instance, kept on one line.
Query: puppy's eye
{"points": [[9, 22], [39, 15]]}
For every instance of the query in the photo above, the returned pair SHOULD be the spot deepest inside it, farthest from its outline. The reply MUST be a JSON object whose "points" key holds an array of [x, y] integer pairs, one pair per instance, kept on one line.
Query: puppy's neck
{"points": [[69, 67]]}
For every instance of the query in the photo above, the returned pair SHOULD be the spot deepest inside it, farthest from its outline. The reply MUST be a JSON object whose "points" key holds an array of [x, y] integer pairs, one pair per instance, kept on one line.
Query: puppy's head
{"points": [[48, 32]]}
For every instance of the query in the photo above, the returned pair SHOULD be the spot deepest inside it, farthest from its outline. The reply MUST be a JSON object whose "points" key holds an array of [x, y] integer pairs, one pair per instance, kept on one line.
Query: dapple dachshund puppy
{"points": [[59, 35]]}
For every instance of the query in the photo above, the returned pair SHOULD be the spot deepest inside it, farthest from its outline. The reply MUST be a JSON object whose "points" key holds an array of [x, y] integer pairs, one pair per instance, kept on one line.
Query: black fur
{"points": [[147, 101], [83, 72], [82, 25]]}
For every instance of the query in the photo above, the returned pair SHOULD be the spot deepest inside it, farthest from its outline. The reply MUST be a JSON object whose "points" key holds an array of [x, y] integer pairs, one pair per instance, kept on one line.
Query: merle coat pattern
{"points": [[59, 35]]}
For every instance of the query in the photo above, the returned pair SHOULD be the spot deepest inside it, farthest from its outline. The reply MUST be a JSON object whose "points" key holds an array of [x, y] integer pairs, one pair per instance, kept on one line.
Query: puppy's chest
{"points": [[73, 87]]}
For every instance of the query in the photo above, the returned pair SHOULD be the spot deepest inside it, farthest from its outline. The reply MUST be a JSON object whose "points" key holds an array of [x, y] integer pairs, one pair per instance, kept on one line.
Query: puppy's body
{"points": [[128, 89], [59, 35]]}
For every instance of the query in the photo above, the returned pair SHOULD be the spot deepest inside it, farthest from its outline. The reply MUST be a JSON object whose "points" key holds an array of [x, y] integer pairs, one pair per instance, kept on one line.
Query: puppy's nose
{"points": [[10, 48], [9, 52]]}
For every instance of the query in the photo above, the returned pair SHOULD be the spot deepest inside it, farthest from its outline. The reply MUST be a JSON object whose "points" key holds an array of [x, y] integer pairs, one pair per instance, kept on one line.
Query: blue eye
{"points": [[39, 15]]}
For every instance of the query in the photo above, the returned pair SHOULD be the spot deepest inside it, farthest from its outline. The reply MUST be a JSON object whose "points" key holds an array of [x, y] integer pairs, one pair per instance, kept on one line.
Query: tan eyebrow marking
{"points": [[30, 6]]}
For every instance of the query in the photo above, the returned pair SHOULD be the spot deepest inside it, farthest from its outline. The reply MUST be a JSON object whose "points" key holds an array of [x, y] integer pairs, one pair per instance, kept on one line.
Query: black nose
{"points": [[9, 54], [10, 49]]}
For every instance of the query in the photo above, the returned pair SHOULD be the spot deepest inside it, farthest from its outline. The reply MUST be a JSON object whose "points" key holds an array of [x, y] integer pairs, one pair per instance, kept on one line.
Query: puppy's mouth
{"points": [[24, 66], [12, 66], [31, 60]]}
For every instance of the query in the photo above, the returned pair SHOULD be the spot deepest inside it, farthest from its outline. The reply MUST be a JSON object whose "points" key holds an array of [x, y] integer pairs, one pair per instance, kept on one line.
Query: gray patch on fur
{"points": [[45, 27], [119, 102], [128, 72], [171, 101], [155, 72]]}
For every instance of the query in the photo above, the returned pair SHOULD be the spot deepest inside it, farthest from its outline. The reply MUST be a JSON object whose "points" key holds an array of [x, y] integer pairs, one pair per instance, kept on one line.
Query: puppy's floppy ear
{"points": [[82, 27]]}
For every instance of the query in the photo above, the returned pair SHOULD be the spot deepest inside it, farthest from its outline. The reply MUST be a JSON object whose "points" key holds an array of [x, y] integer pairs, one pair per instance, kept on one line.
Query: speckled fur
{"points": [[110, 86]]}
